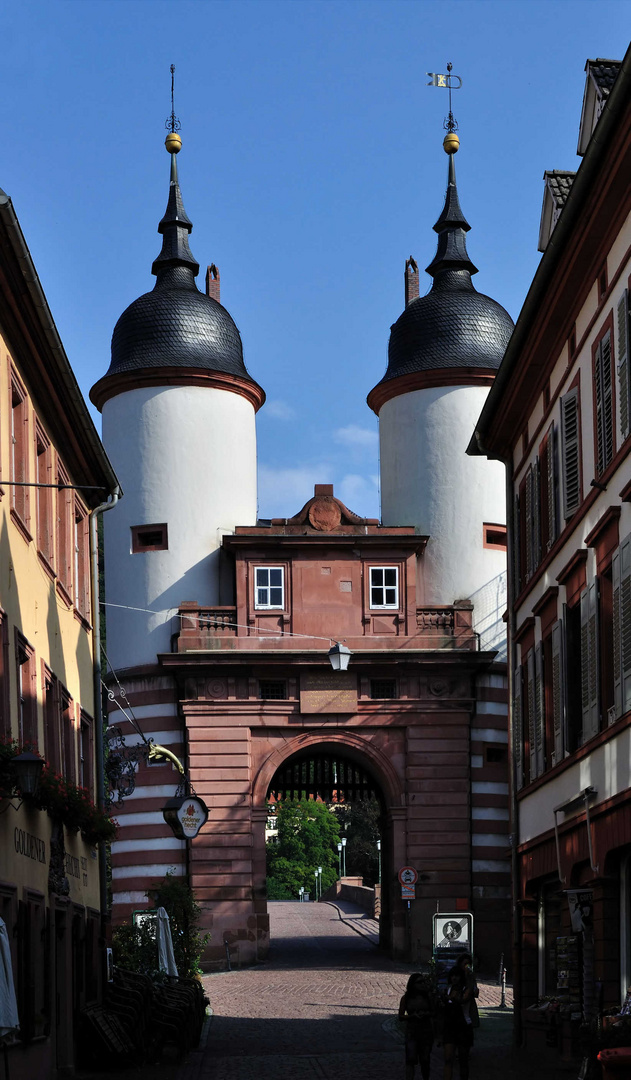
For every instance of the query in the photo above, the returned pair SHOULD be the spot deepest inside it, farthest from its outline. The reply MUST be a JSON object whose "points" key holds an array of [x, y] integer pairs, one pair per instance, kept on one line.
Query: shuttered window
{"points": [[603, 398], [570, 452], [529, 524], [624, 378], [621, 572], [518, 731], [590, 662], [558, 695], [540, 718], [531, 707], [549, 486]]}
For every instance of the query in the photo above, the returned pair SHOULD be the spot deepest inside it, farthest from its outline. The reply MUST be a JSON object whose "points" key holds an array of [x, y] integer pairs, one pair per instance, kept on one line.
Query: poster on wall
{"points": [[581, 909]]}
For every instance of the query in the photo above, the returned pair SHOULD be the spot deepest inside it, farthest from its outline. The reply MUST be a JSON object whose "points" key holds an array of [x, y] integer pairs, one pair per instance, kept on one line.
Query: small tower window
{"points": [[149, 538], [383, 688], [495, 537]]}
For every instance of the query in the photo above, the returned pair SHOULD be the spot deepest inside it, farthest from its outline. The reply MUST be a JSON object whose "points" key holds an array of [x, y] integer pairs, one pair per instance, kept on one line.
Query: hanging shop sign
{"points": [[185, 816], [580, 901]]}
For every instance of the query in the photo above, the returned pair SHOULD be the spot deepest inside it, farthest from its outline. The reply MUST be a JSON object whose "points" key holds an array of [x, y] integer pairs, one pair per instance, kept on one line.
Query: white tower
{"points": [[179, 425], [443, 355]]}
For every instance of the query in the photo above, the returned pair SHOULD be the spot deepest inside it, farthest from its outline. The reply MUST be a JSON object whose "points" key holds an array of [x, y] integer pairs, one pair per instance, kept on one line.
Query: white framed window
{"points": [[384, 586], [269, 587]]}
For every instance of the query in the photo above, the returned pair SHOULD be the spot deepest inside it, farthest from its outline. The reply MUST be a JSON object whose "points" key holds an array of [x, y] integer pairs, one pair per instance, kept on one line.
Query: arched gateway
{"points": [[219, 625]]}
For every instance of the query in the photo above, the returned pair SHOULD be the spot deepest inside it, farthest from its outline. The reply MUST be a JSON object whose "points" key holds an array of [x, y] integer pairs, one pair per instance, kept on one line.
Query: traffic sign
{"points": [[408, 875], [453, 933]]}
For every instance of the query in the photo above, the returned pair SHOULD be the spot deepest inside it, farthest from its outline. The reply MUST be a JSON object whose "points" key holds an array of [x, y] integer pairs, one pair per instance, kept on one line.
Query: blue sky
{"points": [[312, 167]]}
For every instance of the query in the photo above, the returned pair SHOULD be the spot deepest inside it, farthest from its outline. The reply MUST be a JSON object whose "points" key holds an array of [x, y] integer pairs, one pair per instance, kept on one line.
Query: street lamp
{"points": [[28, 769], [320, 879], [339, 656], [339, 859], [379, 857], [300, 892], [344, 853], [316, 884]]}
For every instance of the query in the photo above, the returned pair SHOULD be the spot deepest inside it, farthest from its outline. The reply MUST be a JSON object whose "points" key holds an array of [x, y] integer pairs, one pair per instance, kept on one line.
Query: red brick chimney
{"points": [[213, 285], [323, 489], [411, 280]]}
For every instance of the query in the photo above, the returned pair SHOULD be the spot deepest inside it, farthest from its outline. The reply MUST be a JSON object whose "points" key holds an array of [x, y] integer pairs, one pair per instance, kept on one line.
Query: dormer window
{"points": [[269, 589], [384, 587]]}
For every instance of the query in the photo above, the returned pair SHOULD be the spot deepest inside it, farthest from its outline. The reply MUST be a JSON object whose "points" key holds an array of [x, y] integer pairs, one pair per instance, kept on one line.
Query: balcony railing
{"points": [[437, 627]]}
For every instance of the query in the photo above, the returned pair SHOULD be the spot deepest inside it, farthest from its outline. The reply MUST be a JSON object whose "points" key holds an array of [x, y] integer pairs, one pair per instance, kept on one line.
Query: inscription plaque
{"points": [[328, 693]]}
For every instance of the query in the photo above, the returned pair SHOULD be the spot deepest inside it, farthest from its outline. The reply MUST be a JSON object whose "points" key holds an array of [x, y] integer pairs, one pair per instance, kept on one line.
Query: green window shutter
{"points": [[617, 650], [540, 714], [553, 486], [531, 707], [517, 547], [624, 382], [536, 515], [558, 696], [518, 731], [590, 661], [570, 453], [625, 624]]}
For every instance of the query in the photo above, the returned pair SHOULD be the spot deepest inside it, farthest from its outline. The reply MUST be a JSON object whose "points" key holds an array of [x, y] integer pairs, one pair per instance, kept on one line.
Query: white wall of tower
{"points": [[185, 456], [428, 481]]}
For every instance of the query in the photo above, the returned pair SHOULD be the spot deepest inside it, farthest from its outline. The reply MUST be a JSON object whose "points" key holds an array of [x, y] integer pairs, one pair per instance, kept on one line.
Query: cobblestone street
{"points": [[324, 1006]]}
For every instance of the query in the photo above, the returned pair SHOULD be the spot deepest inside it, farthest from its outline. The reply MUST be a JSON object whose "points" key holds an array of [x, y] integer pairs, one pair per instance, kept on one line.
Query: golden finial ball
{"points": [[173, 142], [451, 143]]}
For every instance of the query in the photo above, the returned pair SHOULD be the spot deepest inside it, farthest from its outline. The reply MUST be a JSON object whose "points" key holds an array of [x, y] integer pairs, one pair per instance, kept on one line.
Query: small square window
{"points": [[273, 689], [496, 755], [149, 538], [495, 537], [269, 587], [383, 688], [384, 587]]}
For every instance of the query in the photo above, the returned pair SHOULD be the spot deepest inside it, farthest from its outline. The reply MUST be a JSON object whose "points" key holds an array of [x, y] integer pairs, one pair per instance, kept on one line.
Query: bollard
{"points": [[503, 997], [499, 974]]}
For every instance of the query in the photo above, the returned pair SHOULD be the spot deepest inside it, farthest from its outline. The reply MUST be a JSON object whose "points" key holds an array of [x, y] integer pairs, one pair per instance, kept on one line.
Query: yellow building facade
{"points": [[54, 479]]}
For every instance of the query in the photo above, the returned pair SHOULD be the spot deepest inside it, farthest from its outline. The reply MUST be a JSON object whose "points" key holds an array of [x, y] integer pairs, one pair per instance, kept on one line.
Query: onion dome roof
{"points": [[175, 325], [453, 325]]}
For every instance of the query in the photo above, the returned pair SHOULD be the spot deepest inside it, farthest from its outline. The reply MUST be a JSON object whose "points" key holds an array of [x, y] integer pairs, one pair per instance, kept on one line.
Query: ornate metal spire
{"points": [[175, 225], [452, 226]]}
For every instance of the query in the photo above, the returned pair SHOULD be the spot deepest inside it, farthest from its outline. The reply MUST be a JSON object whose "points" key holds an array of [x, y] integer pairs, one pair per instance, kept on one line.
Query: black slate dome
{"points": [[453, 326], [175, 325]]}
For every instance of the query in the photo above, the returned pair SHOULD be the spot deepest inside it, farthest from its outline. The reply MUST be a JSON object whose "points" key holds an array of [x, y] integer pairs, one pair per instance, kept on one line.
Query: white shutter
{"points": [[625, 624], [558, 696], [531, 707], [518, 731], [540, 711], [624, 382], [570, 453], [589, 661]]}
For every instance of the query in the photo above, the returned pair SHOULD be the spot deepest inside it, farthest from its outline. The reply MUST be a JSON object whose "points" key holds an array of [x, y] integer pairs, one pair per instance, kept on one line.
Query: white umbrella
{"points": [[166, 959]]}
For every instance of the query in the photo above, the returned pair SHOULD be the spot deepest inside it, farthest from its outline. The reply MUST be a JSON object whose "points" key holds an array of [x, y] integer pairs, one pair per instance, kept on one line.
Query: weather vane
{"points": [[447, 81], [172, 123]]}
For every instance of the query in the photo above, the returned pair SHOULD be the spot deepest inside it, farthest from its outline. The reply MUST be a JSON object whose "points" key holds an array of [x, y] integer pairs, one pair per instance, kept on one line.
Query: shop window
{"points": [[44, 496], [149, 538], [383, 688], [269, 587], [33, 1004], [65, 530], [20, 500], [273, 689], [603, 402], [81, 560], [27, 696], [384, 587]]}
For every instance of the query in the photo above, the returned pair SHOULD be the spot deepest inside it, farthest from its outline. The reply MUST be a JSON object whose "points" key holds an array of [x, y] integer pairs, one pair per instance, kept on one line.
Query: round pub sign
{"points": [[186, 816]]}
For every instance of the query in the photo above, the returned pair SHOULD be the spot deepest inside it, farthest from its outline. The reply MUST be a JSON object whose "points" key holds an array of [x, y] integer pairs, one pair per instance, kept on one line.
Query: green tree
{"points": [[360, 823], [308, 833]]}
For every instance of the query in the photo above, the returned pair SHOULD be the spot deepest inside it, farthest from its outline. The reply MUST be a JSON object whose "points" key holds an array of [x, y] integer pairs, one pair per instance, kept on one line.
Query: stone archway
{"points": [[299, 767]]}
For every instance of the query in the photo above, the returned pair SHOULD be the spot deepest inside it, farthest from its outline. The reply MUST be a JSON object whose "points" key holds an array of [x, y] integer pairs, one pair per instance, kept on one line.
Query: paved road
{"points": [[323, 1007]]}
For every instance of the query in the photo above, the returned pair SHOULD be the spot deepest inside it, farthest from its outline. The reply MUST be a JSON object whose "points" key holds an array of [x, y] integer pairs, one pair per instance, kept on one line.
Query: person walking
{"points": [[460, 1016], [417, 1010]]}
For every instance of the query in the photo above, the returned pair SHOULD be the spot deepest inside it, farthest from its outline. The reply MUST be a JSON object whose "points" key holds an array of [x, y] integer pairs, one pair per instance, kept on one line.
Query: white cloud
{"points": [[279, 410], [284, 491], [360, 494], [356, 437]]}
